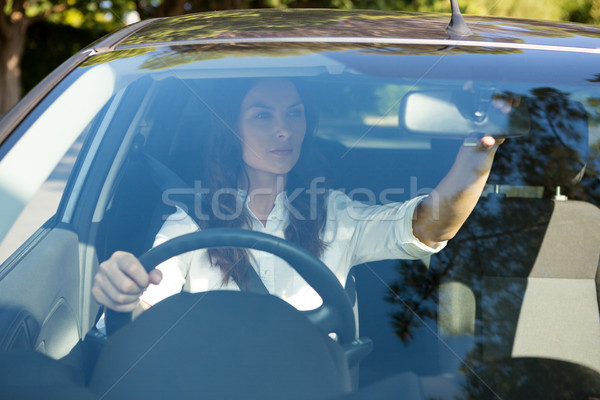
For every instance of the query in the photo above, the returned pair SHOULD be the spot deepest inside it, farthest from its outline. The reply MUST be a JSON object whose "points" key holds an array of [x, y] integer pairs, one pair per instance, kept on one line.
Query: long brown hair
{"points": [[224, 169]]}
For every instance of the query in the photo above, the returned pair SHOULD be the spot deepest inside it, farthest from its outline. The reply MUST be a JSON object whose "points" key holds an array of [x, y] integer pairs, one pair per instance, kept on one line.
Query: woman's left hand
{"points": [[487, 143]]}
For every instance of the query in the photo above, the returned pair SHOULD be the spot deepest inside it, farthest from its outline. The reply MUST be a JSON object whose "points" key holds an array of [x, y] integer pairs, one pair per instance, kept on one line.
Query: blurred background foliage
{"points": [[53, 30]]}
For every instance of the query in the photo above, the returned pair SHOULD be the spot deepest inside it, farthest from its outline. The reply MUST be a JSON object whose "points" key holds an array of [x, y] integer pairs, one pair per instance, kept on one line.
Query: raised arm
{"points": [[439, 216]]}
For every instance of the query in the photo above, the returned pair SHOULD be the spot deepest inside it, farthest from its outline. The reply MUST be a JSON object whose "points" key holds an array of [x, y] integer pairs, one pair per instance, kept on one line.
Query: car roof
{"points": [[368, 26]]}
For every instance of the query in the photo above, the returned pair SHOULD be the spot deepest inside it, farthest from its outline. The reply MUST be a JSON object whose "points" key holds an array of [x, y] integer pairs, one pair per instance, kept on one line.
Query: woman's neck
{"points": [[262, 191]]}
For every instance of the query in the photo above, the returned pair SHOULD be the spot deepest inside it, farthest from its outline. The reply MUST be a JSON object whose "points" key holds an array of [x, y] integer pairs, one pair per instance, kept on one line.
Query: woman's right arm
{"points": [[122, 279], [120, 282]]}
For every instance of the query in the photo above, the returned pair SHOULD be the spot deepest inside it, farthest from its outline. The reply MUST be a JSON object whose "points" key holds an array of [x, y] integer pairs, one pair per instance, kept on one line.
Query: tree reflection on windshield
{"points": [[532, 378], [494, 253]]}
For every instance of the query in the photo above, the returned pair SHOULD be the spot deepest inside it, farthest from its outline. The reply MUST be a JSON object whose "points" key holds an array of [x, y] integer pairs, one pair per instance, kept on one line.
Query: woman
{"points": [[260, 150]]}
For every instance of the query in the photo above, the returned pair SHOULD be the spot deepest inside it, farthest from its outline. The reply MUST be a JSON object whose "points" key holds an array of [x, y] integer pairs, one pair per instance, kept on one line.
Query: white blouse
{"points": [[354, 233]]}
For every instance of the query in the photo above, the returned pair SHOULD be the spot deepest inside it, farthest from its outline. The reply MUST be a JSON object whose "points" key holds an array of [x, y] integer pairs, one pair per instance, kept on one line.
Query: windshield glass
{"points": [[513, 294]]}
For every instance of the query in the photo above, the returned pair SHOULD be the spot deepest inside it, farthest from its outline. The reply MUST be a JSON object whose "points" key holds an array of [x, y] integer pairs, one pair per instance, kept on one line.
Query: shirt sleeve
{"points": [[174, 270], [379, 232]]}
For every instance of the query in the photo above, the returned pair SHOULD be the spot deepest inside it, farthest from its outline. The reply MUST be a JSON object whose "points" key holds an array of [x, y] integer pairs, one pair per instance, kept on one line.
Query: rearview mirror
{"points": [[456, 114]]}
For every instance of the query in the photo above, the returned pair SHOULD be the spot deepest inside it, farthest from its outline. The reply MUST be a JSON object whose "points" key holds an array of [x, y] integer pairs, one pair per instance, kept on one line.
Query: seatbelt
{"points": [[166, 179], [252, 282]]}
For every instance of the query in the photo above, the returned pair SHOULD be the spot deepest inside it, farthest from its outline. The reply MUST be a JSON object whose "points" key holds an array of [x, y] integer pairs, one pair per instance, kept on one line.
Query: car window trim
{"points": [[87, 162], [367, 40]]}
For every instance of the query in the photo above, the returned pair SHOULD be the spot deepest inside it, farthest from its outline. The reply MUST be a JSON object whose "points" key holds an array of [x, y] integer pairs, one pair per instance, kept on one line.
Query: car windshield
{"points": [[512, 296]]}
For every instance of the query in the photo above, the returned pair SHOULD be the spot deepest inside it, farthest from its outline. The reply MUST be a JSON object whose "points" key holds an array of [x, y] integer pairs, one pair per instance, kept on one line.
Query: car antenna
{"points": [[457, 26]]}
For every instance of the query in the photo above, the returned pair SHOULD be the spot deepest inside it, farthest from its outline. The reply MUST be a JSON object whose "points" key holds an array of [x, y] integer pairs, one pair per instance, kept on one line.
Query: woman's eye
{"points": [[296, 113], [263, 115]]}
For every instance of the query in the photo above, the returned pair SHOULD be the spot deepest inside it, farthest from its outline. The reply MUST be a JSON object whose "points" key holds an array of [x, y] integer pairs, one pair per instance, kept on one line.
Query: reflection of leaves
{"points": [[593, 107], [342, 52], [492, 254], [263, 23], [496, 248], [533, 28], [596, 79], [555, 151], [341, 23], [413, 302], [185, 54], [530, 378], [316, 23]]}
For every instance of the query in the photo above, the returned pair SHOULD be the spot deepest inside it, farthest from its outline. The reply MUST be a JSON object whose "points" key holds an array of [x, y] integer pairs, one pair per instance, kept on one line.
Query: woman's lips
{"points": [[282, 151]]}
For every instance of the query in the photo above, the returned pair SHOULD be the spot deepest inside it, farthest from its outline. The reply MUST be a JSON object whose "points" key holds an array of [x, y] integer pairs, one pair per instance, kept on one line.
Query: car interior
{"points": [[501, 293]]}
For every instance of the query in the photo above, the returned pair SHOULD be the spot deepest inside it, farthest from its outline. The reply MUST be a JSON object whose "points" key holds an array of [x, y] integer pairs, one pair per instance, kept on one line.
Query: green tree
{"points": [[15, 20]]}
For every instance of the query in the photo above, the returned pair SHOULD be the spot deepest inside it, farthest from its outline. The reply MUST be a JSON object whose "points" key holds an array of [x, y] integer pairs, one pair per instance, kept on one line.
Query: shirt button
{"points": [[267, 273]]}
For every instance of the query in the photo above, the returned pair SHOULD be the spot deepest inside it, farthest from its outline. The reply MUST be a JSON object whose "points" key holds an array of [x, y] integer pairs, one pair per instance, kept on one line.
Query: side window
{"points": [[44, 203], [37, 158]]}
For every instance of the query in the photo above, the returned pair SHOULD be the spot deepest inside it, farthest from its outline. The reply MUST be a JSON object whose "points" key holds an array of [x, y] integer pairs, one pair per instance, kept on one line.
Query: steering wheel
{"points": [[335, 315]]}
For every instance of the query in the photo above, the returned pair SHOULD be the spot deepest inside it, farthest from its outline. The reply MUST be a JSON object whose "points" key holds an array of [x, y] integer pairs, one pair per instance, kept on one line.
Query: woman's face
{"points": [[272, 126]]}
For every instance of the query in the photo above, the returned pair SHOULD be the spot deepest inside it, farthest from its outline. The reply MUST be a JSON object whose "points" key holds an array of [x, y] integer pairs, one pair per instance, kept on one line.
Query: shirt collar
{"points": [[279, 211]]}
